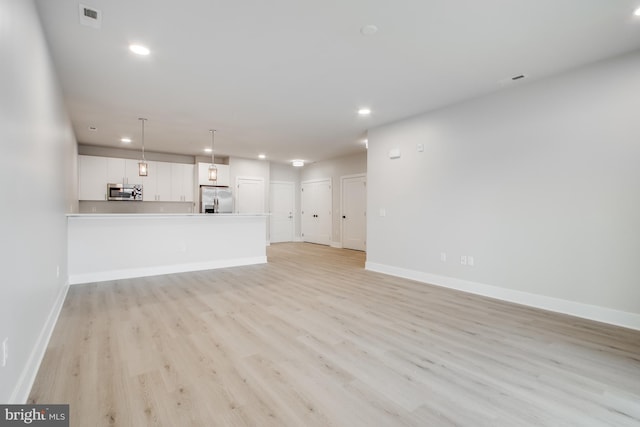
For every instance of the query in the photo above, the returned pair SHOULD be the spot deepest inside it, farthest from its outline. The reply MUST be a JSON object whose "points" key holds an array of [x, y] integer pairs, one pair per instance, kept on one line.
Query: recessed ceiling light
{"points": [[262, 156], [139, 49], [364, 111], [208, 150], [637, 12], [297, 163], [368, 30], [125, 140]]}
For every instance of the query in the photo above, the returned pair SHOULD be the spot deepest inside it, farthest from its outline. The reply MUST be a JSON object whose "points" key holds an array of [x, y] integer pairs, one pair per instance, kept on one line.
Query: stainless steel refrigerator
{"points": [[215, 199]]}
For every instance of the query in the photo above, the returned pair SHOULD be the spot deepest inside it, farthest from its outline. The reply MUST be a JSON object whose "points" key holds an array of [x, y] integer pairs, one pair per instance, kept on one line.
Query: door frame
{"points": [[312, 181], [342, 180], [294, 212], [237, 192]]}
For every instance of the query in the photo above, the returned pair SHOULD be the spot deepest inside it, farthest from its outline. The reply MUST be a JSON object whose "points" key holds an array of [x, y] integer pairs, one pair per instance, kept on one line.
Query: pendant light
{"points": [[213, 171], [143, 167]]}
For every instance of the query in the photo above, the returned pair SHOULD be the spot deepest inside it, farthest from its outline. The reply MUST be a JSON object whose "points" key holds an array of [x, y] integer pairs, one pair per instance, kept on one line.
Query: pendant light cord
{"points": [[213, 135], [142, 120]]}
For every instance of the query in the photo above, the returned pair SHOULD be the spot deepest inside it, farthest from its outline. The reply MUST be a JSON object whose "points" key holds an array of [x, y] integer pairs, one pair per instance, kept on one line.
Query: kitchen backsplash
{"points": [[88, 206]]}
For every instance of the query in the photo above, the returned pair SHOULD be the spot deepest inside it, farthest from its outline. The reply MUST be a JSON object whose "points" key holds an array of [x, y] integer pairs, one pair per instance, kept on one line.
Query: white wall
{"points": [[38, 172], [539, 183], [334, 169]]}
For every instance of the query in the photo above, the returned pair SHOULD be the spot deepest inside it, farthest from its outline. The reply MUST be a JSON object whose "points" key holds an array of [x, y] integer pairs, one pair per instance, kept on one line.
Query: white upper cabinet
{"points": [[223, 175], [123, 171], [163, 175], [165, 181], [156, 186], [92, 178], [115, 171], [181, 182], [131, 175]]}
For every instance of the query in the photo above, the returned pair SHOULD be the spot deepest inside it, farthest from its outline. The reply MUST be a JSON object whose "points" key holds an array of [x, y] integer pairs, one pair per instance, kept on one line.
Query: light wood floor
{"points": [[311, 339]]}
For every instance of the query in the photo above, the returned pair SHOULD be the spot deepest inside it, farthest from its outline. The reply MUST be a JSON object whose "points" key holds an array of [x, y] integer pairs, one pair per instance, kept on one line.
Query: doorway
{"points": [[281, 208], [353, 189], [250, 195], [316, 211]]}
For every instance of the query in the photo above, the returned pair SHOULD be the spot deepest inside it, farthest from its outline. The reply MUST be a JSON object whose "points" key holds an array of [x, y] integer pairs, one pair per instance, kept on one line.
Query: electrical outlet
{"points": [[5, 351], [420, 148], [383, 212], [463, 260], [443, 256], [470, 260]]}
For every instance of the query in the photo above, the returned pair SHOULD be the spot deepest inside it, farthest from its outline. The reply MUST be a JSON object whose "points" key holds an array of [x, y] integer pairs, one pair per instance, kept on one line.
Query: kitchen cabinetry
{"points": [[92, 178], [131, 175], [156, 187], [166, 182], [181, 182], [123, 171], [223, 175]]}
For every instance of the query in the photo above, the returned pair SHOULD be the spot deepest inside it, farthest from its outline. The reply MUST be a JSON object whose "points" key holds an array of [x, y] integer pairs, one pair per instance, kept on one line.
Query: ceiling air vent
{"points": [[90, 16]]}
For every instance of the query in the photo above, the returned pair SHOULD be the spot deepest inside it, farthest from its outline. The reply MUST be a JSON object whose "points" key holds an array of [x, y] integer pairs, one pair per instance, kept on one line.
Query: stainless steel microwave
{"points": [[126, 192]]}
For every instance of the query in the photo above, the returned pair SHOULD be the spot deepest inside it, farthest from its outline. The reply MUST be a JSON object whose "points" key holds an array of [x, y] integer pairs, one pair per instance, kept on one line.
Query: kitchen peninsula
{"points": [[105, 247]]}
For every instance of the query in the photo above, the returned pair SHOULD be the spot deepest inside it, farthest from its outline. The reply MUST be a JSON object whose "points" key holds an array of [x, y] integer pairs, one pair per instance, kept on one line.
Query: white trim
{"points": [[236, 193], [314, 181], [342, 179], [586, 311], [163, 269], [337, 245], [21, 392], [294, 213]]}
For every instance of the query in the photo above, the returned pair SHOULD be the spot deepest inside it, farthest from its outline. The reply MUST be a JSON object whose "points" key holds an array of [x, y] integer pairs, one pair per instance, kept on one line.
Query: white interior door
{"points": [[316, 211], [281, 202], [250, 195], [354, 212]]}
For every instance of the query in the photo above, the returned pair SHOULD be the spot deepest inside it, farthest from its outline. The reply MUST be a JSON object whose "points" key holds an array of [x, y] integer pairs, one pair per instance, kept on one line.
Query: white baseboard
{"points": [[20, 394], [337, 245], [298, 239], [102, 276], [586, 311]]}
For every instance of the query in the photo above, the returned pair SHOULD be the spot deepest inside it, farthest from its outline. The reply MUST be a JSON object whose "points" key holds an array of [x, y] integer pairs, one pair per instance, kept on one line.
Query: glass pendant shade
{"points": [[143, 169], [213, 173]]}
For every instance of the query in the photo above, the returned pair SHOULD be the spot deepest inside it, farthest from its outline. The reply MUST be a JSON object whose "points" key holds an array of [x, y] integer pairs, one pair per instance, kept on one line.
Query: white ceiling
{"points": [[286, 77]]}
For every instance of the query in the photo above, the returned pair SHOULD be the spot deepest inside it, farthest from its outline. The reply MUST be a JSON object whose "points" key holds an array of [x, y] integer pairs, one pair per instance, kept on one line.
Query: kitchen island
{"points": [[105, 247]]}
